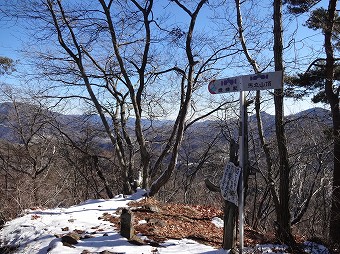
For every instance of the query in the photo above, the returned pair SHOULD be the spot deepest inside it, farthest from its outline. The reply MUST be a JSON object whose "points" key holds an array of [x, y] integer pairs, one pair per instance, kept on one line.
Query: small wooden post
{"points": [[229, 232], [230, 209]]}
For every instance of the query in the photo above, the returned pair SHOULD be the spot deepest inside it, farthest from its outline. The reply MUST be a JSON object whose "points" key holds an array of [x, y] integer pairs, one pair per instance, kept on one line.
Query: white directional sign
{"points": [[260, 81], [229, 183], [227, 85], [232, 174]]}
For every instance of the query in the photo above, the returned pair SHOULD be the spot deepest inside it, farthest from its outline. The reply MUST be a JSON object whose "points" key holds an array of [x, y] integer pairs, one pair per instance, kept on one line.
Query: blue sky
{"points": [[10, 39], [13, 38]]}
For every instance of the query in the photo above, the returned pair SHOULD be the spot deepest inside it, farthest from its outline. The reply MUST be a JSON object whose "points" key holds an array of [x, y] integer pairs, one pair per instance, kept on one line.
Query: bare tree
{"points": [[29, 153], [281, 200], [283, 217], [116, 64]]}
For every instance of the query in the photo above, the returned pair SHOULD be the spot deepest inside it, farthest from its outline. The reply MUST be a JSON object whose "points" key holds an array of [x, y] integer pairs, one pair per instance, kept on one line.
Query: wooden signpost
{"points": [[260, 81]]}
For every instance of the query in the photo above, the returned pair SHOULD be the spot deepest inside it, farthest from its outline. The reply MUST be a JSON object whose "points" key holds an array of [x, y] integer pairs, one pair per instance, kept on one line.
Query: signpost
{"points": [[260, 81]]}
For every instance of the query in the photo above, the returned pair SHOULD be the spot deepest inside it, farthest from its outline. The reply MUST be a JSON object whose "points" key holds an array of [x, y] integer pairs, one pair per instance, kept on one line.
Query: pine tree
{"points": [[321, 78]]}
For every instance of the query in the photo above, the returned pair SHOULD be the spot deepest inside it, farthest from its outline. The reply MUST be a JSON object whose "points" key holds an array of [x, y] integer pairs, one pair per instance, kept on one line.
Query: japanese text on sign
{"points": [[229, 183], [261, 81]]}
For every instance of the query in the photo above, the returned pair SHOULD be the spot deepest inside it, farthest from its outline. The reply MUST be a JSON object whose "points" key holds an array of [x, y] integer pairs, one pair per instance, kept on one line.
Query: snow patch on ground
{"points": [[36, 231], [218, 222]]}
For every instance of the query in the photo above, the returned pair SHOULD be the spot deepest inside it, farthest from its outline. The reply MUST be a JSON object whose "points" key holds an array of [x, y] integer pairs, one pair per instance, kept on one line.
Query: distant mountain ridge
{"points": [[303, 118], [74, 122]]}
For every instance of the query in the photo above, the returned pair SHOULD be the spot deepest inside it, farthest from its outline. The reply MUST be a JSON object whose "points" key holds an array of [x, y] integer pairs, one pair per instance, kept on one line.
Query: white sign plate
{"points": [[227, 85], [229, 183], [260, 81]]}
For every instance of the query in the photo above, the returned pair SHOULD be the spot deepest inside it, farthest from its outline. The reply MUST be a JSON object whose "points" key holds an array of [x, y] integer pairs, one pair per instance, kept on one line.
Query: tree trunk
{"points": [[333, 99], [94, 161], [283, 214], [229, 231], [230, 210]]}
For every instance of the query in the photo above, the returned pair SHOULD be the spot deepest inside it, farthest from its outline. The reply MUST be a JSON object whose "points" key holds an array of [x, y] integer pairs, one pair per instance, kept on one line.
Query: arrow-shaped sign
{"points": [[260, 81]]}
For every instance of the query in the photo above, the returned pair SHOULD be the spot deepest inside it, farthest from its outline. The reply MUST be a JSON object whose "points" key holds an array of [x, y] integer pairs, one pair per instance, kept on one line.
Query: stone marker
{"points": [[126, 224]]}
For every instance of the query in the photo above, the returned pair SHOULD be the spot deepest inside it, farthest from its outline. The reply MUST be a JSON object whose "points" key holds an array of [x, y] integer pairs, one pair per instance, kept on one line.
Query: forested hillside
{"points": [[55, 160], [100, 97]]}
